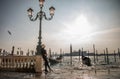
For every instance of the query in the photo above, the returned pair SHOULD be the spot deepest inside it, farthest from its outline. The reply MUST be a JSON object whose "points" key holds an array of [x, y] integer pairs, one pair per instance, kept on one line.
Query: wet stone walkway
{"points": [[68, 72], [82, 74]]}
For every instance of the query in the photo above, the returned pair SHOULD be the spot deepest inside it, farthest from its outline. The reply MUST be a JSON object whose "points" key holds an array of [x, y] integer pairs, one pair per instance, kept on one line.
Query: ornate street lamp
{"points": [[41, 2], [52, 9], [30, 10], [41, 14]]}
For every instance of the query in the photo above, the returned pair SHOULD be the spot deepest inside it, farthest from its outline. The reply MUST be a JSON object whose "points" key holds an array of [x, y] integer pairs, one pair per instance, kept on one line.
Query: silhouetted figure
{"points": [[86, 61], [44, 56]]}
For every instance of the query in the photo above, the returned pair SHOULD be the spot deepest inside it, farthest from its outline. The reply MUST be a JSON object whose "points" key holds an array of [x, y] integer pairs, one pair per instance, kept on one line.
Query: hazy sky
{"points": [[81, 23]]}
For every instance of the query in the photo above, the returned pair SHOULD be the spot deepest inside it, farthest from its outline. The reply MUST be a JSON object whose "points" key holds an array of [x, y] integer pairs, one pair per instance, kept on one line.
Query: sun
{"points": [[79, 29], [82, 25]]}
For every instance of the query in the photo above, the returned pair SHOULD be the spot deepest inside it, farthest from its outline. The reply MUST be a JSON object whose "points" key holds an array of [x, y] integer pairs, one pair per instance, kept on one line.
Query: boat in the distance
{"points": [[54, 61]]}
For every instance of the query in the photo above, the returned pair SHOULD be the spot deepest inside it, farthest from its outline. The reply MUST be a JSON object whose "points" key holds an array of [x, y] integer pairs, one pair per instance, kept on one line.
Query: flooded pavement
{"points": [[86, 73], [65, 72]]}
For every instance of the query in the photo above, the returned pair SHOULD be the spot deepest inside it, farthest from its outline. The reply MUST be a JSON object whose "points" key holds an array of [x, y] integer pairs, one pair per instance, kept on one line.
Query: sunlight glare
{"points": [[78, 29], [82, 25]]}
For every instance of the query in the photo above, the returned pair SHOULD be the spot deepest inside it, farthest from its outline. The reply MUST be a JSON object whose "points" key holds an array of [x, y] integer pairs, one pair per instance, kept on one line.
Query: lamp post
{"points": [[41, 14]]}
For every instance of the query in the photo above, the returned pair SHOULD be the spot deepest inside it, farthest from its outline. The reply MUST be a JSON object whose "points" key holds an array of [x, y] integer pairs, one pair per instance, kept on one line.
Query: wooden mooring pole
{"points": [[105, 59], [79, 54], [70, 54], [97, 55], [114, 56], [119, 53], [107, 55], [94, 53]]}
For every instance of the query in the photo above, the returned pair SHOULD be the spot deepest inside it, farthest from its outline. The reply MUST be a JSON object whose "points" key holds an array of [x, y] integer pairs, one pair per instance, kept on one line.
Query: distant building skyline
{"points": [[81, 23]]}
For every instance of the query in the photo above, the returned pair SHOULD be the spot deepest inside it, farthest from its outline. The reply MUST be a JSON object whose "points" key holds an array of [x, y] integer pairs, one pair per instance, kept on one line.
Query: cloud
{"points": [[108, 33]]}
